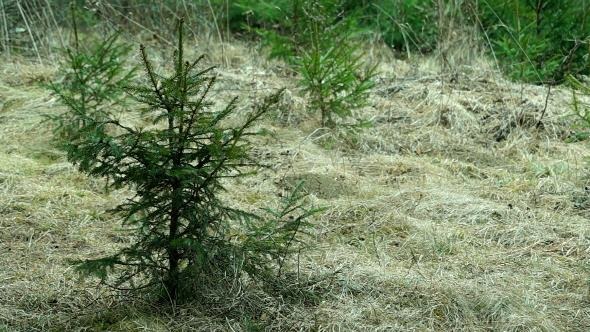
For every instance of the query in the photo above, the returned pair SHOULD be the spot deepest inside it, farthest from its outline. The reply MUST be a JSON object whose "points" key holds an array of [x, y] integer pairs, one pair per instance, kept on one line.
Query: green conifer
{"points": [[177, 165]]}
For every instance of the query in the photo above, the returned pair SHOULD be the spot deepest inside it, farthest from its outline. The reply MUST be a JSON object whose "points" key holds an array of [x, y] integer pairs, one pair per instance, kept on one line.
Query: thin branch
{"points": [[544, 108]]}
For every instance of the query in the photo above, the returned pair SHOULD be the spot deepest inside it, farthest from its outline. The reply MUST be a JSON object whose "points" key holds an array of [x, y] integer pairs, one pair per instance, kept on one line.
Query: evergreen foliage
{"points": [[334, 74], [403, 25], [539, 41], [317, 39], [177, 165], [94, 75]]}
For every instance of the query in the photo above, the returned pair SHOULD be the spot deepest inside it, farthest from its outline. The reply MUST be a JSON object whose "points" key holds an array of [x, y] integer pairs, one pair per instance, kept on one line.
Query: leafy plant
{"points": [[177, 164], [247, 14], [292, 35]]}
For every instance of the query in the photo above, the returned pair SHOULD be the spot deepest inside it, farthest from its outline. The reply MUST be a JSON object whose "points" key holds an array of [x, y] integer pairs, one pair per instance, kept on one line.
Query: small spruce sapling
{"points": [[334, 74], [177, 165], [92, 85], [317, 40]]}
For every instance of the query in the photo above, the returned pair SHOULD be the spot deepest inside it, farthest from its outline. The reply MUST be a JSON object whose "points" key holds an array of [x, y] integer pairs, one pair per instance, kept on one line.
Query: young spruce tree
{"points": [[333, 71], [91, 87], [317, 38], [176, 165]]}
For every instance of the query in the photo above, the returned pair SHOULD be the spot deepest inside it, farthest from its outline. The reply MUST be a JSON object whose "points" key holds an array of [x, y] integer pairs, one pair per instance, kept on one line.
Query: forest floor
{"points": [[456, 210]]}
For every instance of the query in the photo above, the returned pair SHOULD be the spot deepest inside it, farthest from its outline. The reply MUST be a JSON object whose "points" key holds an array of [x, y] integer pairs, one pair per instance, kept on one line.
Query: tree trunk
{"points": [[173, 252]]}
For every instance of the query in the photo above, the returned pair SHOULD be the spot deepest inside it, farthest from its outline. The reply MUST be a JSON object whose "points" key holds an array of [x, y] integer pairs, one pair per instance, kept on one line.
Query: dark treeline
{"points": [[539, 41]]}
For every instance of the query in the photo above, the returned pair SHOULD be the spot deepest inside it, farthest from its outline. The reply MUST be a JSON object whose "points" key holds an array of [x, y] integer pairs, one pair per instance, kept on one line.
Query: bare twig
{"points": [[545, 107]]}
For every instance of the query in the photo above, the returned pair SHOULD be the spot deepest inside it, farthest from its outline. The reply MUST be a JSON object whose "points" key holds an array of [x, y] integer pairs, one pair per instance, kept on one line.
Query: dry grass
{"points": [[454, 212]]}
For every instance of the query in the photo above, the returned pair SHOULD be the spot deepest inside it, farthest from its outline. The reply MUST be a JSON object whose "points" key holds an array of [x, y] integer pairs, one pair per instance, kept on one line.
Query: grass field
{"points": [[455, 211]]}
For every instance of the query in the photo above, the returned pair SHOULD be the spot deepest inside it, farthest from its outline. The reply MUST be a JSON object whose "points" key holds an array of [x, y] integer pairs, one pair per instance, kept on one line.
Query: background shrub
{"points": [[402, 25], [538, 41], [535, 41]]}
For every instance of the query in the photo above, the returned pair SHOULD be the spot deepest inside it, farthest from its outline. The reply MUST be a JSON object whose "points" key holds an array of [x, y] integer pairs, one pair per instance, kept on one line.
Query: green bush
{"points": [[538, 41], [403, 25], [293, 32], [177, 163]]}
